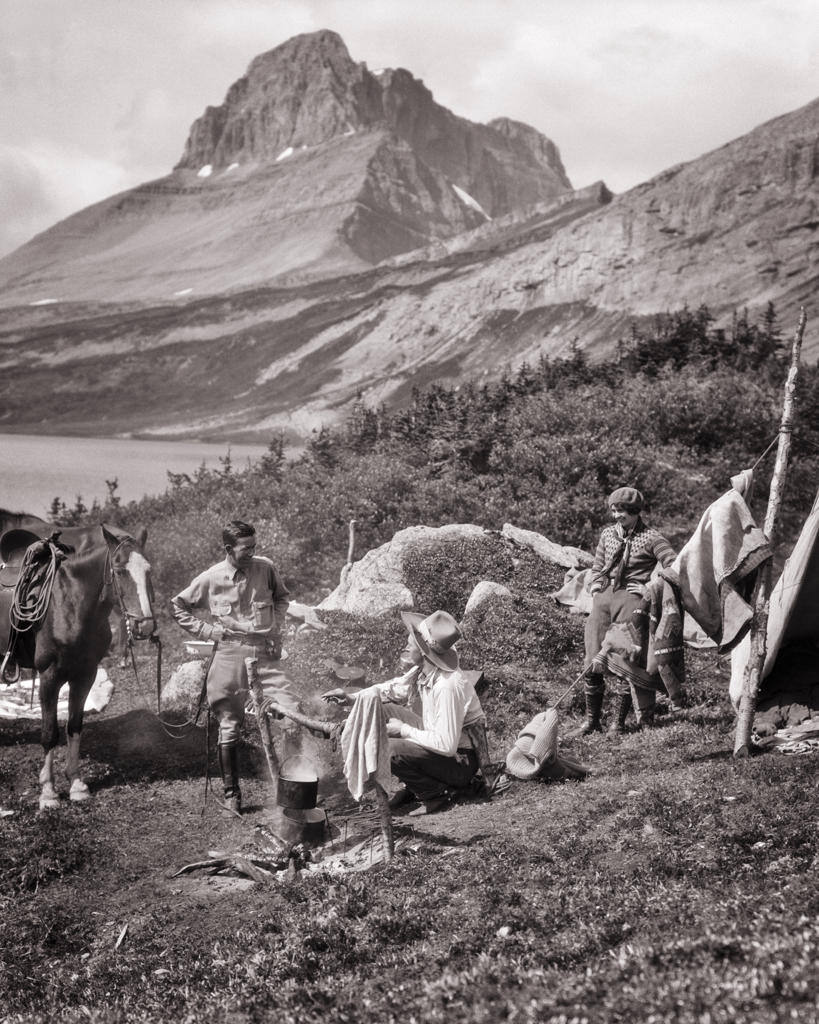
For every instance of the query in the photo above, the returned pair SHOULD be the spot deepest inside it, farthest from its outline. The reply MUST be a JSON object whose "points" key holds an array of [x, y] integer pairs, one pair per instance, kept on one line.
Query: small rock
{"points": [[484, 591]]}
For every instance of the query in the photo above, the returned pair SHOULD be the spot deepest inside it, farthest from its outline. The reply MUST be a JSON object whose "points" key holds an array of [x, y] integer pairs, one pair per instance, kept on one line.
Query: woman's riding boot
{"points": [[229, 767], [594, 706], [621, 705]]}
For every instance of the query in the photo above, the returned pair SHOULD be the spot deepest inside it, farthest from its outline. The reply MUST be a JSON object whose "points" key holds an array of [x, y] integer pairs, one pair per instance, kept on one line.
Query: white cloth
{"points": [[21, 700], [364, 744], [448, 702]]}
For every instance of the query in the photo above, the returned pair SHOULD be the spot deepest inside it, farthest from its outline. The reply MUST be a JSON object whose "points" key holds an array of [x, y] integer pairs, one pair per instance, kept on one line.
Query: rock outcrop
{"points": [[309, 90], [377, 583], [312, 167], [270, 262]]}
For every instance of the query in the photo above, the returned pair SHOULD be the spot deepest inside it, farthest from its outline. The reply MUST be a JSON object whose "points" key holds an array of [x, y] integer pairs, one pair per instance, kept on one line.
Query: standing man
{"points": [[240, 603]]}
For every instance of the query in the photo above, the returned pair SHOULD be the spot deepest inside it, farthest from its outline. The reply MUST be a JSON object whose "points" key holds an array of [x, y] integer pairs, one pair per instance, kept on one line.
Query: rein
{"points": [[171, 729], [110, 578]]}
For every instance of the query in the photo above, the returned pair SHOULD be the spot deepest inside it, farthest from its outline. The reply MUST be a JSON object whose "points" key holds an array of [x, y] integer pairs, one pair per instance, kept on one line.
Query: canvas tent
{"points": [[790, 678]]}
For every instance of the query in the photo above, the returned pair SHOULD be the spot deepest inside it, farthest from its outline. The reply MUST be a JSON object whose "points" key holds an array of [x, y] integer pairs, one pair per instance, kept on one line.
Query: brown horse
{"points": [[103, 567]]}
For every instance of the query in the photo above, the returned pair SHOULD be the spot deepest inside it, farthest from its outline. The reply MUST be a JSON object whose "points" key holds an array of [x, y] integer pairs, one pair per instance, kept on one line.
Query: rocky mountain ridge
{"points": [[312, 167], [308, 91], [735, 228]]}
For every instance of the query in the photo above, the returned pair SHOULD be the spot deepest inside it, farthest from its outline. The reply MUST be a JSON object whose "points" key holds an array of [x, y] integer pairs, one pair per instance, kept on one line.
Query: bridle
{"points": [[112, 572]]}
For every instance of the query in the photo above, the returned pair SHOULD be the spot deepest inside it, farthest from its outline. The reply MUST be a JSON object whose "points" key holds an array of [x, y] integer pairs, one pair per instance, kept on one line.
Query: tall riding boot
{"points": [[594, 705], [621, 705], [229, 766], [645, 719]]}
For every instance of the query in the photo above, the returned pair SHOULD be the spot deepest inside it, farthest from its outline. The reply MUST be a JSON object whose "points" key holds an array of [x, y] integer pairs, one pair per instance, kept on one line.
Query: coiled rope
{"points": [[32, 591]]}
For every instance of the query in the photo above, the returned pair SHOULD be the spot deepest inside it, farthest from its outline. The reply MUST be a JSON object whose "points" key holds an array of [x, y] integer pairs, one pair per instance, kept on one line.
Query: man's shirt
{"points": [[448, 703], [255, 597]]}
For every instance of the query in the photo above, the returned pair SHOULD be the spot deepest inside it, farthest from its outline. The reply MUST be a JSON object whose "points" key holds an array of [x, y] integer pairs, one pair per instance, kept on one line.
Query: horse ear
{"points": [[118, 534]]}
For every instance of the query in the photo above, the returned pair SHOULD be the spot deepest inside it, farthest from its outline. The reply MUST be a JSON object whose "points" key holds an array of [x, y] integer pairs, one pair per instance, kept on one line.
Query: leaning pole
{"points": [[762, 590]]}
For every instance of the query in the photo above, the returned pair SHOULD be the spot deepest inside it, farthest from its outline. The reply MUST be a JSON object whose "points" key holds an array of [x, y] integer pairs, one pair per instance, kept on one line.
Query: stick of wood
{"points": [[386, 822], [351, 544], [314, 724], [762, 588], [252, 666]]}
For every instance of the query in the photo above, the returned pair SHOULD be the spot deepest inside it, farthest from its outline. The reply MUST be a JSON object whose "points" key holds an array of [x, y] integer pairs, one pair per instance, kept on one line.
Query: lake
{"points": [[34, 469]]}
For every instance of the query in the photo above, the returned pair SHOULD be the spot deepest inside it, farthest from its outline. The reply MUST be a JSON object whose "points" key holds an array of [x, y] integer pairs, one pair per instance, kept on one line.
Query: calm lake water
{"points": [[36, 469]]}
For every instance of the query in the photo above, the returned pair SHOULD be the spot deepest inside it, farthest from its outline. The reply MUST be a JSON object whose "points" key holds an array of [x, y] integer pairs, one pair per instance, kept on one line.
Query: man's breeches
{"points": [[228, 686]]}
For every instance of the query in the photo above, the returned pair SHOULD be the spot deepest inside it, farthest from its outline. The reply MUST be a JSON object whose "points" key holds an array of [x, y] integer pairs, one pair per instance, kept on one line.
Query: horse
{"points": [[26, 520], [90, 570]]}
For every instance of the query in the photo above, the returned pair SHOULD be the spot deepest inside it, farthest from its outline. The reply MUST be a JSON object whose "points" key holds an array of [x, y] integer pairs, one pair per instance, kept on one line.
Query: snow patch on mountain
{"points": [[467, 199]]}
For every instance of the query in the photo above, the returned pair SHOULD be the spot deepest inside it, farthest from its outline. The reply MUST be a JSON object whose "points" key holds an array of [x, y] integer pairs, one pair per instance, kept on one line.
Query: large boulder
{"points": [[560, 554], [377, 583]]}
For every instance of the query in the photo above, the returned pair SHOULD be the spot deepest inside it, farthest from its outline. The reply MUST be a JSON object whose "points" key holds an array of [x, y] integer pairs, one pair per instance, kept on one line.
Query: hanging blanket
{"points": [[713, 570]]}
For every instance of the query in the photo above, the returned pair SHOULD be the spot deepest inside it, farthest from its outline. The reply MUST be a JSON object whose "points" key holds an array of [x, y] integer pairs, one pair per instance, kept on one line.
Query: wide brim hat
{"points": [[534, 747], [436, 636]]}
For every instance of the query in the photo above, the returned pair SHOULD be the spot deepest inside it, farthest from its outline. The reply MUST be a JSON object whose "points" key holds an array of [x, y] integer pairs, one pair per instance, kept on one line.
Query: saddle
{"points": [[13, 546], [26, 557]]}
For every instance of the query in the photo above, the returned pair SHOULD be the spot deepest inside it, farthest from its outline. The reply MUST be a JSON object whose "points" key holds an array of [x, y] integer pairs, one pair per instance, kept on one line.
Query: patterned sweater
{"points": [[622, 559]]}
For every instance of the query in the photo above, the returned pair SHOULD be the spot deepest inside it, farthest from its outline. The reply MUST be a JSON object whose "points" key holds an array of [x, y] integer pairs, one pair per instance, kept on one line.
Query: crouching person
{"points": [[428, 709], [240, 603]]}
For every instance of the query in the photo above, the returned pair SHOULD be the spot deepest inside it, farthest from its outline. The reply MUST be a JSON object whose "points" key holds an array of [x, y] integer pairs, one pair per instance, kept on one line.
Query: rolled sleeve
{"points": [[186, 604]]}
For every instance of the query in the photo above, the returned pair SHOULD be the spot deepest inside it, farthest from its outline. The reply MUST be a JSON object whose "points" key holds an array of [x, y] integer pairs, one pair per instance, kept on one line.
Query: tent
{"points": [[789, 691]]}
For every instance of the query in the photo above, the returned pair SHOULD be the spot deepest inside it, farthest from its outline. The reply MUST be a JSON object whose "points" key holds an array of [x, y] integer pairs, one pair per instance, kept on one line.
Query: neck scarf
{"points": [[621, 555]]}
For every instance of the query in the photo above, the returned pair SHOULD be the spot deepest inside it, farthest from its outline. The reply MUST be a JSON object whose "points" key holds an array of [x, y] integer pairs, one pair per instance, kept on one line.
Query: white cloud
{"points": [[43, 183]]}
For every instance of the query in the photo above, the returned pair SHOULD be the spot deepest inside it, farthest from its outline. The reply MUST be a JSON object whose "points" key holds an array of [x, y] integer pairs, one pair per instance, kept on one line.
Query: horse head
{"points": [[130, 578]]}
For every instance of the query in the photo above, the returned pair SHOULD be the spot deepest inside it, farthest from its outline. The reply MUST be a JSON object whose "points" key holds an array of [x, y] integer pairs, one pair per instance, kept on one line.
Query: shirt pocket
{"points": [[220, 606], [262, 614]]}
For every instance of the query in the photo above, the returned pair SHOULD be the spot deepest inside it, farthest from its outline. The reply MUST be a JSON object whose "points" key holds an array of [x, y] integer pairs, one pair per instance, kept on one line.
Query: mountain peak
{"points": [[323, 46], [309, 90]]}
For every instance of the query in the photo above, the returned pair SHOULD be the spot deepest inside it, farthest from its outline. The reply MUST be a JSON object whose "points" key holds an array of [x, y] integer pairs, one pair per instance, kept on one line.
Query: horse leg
{"points": [[77, 693], [49, 689]]}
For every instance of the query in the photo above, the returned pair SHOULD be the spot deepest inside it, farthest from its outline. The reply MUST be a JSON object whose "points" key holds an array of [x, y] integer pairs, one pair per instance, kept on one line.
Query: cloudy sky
{"points": [[98, 95]]}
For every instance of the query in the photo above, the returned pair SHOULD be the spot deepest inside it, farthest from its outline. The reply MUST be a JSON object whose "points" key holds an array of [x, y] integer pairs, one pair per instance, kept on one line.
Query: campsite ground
{"points": [[675, 884]]}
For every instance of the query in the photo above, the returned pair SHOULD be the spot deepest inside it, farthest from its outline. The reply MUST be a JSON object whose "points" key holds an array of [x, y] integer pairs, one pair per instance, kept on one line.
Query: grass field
{"points": [[675, 884]]}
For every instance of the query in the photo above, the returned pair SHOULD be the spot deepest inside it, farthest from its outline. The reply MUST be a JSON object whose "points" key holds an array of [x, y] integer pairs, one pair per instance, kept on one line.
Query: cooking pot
{"points": [[311, 823], [297, 786]]}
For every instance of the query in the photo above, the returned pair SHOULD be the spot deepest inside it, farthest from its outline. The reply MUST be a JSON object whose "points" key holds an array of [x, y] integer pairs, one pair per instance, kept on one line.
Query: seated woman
{"points": [[626, 556]]}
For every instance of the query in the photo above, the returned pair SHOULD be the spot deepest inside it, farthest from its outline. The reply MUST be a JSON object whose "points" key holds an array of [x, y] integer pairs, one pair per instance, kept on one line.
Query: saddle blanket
{"points": [[21, 699]]}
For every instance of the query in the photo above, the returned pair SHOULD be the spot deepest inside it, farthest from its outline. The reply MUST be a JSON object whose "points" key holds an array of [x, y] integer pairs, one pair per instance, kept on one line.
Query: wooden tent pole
{"points": [[762, 589]]}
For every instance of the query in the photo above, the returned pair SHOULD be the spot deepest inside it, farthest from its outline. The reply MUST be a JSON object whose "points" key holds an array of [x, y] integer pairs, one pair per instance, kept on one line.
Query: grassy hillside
{"points": [[674, 884], [682, 409]]}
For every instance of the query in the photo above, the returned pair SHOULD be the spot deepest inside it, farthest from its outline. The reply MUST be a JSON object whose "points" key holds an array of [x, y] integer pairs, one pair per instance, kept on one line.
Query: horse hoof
{"points": [[79, 791], [49, 801]]}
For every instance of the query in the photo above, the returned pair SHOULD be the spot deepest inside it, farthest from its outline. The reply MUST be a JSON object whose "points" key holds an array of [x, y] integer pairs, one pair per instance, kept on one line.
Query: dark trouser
{"points": [[608, 606], [427, 774]]}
